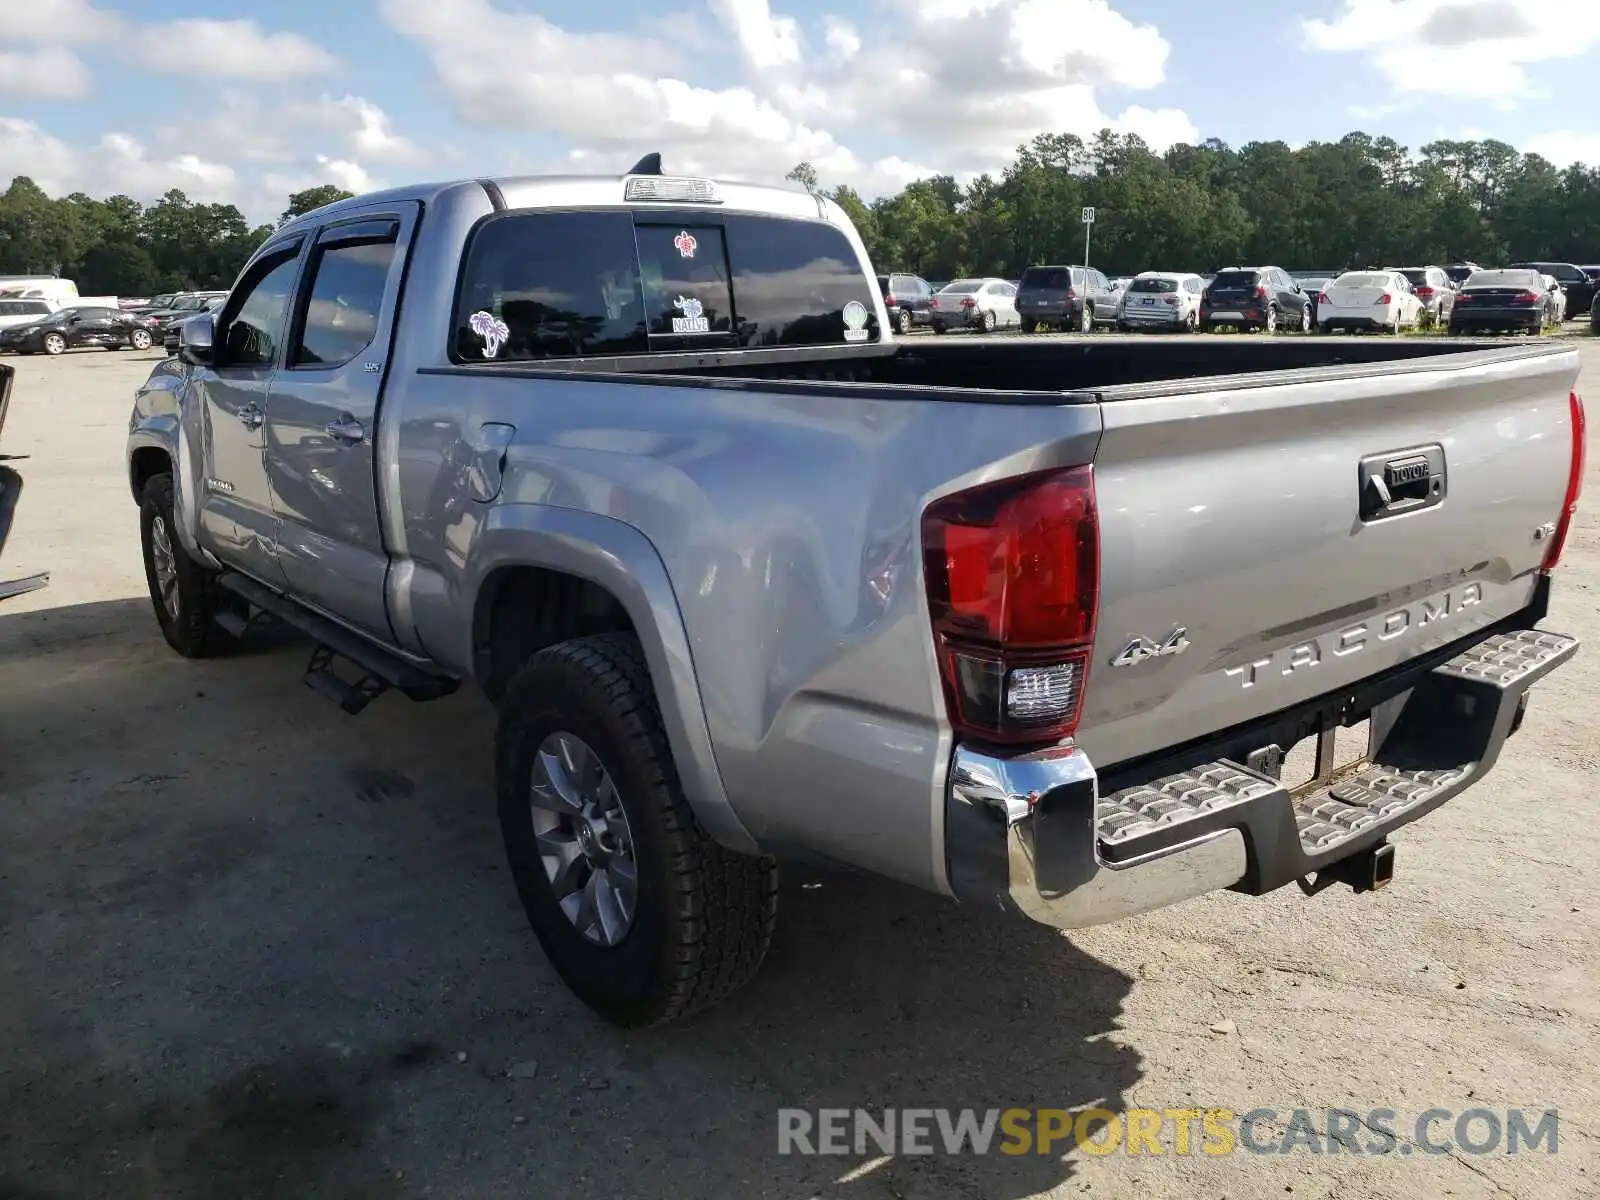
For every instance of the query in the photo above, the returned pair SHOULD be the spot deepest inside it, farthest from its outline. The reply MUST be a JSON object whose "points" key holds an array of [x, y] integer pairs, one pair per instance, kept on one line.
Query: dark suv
{"points": [[1064, 297], [1573, 280], [909, 299], [1255, 298]]}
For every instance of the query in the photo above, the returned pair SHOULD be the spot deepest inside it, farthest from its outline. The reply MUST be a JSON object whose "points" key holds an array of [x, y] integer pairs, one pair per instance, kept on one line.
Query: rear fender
{"points": [[621, 559]]}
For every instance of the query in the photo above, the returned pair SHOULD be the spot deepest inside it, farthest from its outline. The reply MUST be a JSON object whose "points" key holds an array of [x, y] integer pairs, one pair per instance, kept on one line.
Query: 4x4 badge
{"points": [[1143, 649]]}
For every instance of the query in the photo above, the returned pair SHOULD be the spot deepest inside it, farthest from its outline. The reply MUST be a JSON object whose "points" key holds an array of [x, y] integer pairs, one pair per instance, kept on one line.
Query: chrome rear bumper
{"points": [[1036, 834], [1022, 836]]}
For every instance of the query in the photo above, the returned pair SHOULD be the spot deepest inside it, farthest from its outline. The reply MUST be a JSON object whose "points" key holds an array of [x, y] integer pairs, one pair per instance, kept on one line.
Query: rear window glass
{"points": [[1047, 277], [963, 286], [1153, 285], [23, 308], [1505, 279], [1228, 279], [1417, 278], [547, 285], [1366, 279]]}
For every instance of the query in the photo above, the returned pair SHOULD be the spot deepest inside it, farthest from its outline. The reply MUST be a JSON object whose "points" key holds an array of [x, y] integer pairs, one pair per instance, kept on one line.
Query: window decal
{"points": [[491, 329]]}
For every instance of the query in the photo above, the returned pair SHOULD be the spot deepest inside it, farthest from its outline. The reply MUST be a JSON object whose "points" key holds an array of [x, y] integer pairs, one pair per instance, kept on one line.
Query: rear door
{"points": [[1235, 514], [324, 409]]}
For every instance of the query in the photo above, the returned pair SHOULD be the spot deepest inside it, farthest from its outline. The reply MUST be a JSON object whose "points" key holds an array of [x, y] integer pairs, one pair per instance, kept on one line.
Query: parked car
{"points": [[986, 304], [1028, 625], [1157, 300], [1576, 286], [1368, 300], [1594, 276], [75, 328], [1255, 298], [157, 303], [24, 312], [1501, 301], [10, 494], [1312, 286], [1594, 315], [1555, 300], [182, 305], [1434, 290], [1064, 297], [1460, 271], [909, 299], [170, 327]]}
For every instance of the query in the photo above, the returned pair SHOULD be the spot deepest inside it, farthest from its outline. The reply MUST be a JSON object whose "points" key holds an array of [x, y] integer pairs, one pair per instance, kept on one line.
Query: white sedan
{"points": [[1381, 300]]}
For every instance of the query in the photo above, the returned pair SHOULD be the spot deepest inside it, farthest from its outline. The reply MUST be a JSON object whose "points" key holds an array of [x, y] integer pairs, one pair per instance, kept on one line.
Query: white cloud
{"points": [[1565, 147], [350, 176], [765, 39], [117, 163], [233, 50], [841, 37], [1461, 48], [59, 22], [960, 81], [49, 73]]}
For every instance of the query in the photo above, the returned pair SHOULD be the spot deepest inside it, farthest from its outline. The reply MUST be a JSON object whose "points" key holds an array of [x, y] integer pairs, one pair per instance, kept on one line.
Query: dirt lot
{"points": [[252, 947]]}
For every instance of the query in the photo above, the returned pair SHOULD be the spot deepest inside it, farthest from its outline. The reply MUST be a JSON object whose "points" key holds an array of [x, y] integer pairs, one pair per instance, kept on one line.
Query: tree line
{"points": [[119, 247], [1358, 201]]}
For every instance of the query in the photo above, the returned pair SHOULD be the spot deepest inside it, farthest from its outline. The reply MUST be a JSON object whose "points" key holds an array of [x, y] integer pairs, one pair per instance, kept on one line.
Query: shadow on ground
{"points": [[250, 946]]}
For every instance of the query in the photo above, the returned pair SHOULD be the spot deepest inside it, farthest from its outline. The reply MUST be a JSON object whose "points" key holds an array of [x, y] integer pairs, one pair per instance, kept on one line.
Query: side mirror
{"points": [[197, 340]]}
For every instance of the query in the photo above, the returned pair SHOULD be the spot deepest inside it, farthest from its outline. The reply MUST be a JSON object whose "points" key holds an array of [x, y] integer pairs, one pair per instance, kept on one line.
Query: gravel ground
{"points": [[252, 947]]}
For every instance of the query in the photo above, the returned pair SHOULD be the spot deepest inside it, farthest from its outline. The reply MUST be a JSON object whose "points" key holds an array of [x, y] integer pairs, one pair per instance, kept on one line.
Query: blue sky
{"points": [[247, 100]]}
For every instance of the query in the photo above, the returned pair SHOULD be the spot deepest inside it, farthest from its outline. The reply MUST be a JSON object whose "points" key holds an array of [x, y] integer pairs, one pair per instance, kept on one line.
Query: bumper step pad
{"points": [[1444, 735]]}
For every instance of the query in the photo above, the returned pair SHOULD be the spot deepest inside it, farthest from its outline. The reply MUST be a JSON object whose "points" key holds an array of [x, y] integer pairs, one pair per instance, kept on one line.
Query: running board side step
{"points": [[377, 669]]}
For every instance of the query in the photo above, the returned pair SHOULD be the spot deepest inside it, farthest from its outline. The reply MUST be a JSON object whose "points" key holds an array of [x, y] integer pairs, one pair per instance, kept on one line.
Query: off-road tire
{"points": [[194, 632], [705, 914]]}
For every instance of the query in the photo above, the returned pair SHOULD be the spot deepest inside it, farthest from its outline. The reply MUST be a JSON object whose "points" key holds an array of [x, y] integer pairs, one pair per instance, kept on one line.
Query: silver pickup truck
{"points": [[1030, 622]]}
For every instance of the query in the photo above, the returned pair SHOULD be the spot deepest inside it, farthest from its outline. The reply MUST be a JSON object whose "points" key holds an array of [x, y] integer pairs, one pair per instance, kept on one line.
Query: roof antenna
{"points": [[650, 164]]}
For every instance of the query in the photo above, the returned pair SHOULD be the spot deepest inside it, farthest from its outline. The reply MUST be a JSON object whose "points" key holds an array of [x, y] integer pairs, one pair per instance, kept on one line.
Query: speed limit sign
{"points": [[1088, 216]]}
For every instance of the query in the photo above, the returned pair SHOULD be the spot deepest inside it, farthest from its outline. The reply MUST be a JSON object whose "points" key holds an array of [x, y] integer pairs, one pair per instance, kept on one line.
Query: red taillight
{"points": [[1170, 299], [1424, 292], [1012, 571], [1384, 299], [1580, 439], [1322, 298], [969, 302], [1463, 297], [889, 300], [1528, 298], [1261, 290]]}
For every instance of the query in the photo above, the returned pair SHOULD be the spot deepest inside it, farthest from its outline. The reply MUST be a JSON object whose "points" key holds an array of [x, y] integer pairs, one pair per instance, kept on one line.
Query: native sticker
{"points": [[855, 321], [686, 243], [694, 318], [491, 329]]}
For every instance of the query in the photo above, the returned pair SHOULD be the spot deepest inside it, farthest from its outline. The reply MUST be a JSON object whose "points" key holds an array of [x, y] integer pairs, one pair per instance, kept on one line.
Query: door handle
{"points": [[252, 417], [345, 429]]}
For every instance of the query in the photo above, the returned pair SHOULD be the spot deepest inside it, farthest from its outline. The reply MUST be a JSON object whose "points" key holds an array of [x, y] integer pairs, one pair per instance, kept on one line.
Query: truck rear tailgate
{"points": [[1240, 530]]}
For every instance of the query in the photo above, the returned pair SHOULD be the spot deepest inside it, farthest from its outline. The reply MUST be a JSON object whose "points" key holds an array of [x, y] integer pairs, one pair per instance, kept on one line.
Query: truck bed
{"points": [[1016, 370]]}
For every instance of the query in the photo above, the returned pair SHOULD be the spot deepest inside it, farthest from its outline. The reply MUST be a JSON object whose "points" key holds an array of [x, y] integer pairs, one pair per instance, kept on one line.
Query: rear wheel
{"points": [[642, 915], [989, 321], [54, 344], [1086, 317], [1305, 319], [1270, 325], [938, 326], [902, 320]]}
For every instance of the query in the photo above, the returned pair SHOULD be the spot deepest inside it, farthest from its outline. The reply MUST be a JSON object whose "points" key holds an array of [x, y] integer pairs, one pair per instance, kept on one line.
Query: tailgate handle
{"points": [[1401, 481]]}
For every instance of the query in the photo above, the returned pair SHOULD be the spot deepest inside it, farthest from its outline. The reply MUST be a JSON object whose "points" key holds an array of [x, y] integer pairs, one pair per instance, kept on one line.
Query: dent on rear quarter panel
{"points": [[789, 529]]}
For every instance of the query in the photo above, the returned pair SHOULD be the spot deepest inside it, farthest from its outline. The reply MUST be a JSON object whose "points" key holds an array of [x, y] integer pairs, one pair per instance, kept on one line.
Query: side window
{"points": [[1099, 280], [797, 283], [253, 319], [539, 285], [349, 275]]}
